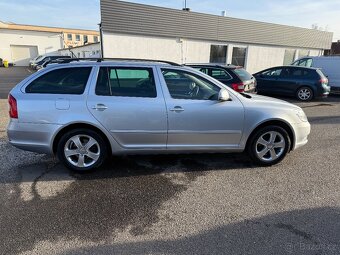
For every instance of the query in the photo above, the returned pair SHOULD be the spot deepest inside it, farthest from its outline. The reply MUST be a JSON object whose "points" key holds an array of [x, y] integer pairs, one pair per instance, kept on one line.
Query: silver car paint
{"points": [[148, 125]]}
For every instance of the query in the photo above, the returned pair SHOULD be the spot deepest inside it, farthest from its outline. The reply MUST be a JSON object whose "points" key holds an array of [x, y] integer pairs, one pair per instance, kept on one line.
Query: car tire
{"points": [[305, 94], [269, 145], [82, 150]]}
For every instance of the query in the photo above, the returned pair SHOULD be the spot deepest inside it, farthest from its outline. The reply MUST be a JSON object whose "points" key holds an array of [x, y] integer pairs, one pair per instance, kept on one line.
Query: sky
{"points": [[86, 13]]}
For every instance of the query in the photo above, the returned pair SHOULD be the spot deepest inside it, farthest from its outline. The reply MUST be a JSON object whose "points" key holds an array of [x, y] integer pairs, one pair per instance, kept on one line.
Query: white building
{"points": [[91, 50], [141, 31], [20, 43]]}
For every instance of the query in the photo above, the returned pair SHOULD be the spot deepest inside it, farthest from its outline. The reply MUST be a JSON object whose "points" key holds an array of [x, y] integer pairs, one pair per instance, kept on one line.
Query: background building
{"points": [[91, 50], [20, 43], [141, 31], [335, 49]]}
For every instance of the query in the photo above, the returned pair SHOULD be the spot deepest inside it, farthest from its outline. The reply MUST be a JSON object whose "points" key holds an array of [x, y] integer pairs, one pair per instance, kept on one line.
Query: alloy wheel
{"points": [[304, 94], [270, 146], [82, 151]]}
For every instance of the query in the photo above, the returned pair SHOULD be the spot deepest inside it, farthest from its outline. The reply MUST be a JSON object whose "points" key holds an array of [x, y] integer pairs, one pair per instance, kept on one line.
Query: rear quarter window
{"points": [[243, 74], [61, 81]]}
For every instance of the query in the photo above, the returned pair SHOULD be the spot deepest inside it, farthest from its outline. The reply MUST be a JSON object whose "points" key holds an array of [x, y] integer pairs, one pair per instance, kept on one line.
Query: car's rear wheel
{"points": [[269, 145], [82, 150], [305, 94]]}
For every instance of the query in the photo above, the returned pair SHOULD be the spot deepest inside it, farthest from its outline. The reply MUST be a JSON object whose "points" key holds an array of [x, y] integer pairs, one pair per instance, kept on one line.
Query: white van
{"points": [[330, 66]]}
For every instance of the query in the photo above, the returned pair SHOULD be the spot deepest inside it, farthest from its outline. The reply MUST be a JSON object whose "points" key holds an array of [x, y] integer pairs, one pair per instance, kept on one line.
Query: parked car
{"points": [[302, 82], [330, 66], [236, 77], [37, 58], [85, 111], [46, 59], [51, 61]]}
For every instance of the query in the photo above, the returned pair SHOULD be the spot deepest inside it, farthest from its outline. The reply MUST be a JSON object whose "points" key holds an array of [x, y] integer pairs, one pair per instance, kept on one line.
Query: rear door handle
{"points": [[99, 107], [177, 109]]}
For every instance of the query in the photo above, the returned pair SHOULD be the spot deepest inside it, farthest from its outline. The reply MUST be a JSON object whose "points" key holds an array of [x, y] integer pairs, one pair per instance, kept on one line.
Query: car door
{"points": [[196, 119], [129, 103], [268, 81]]}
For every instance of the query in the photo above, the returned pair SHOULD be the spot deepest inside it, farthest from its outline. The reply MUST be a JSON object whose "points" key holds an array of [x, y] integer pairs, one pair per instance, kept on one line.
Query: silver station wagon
{"points": [[85, 111]]}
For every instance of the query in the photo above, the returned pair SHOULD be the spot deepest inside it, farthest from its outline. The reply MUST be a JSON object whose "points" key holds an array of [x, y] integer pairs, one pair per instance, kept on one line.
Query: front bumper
{"points": [[301, 131]]}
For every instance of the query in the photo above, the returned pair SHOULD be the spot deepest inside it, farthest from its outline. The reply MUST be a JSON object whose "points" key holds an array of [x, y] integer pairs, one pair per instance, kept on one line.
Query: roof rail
{"points": [[69, 60]]}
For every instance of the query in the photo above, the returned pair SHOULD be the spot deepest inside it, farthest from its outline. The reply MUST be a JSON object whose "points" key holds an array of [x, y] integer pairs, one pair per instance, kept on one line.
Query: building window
{"points": [[85, 38], [289, 57], [95, 39], [69, 37], [218, 54], [239, 56], [77, 38]]}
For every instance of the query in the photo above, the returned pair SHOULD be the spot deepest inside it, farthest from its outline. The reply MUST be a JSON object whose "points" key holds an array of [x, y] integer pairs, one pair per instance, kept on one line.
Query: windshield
{"points": [[38, 58], [243, 74]]}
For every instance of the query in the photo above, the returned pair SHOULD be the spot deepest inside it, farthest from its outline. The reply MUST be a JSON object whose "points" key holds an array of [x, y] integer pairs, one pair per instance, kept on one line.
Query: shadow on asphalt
{"points": [[310, 231]]}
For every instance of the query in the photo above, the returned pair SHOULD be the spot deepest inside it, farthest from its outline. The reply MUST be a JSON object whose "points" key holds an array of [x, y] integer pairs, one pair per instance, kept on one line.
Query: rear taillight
{"points": [[13, 107], [323, 81], [239, 87]]}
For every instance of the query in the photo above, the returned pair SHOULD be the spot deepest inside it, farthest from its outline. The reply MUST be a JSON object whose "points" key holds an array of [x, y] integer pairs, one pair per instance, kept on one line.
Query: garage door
{"points": [[21, 54]]}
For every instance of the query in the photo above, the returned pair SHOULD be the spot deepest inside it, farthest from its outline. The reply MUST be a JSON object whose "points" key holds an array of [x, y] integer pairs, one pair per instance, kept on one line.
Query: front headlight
{"points": [[302, 116]]}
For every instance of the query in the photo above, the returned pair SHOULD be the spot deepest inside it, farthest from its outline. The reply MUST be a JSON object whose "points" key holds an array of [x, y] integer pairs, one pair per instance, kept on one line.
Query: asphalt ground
{"points": [[10, 77], [176, 204]]}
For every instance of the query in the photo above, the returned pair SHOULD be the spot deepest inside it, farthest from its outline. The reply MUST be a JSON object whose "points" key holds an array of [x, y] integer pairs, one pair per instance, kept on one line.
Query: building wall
{"points": [[122, 17], [47, 43], [74, 43], [86, 51], [178, 50]]}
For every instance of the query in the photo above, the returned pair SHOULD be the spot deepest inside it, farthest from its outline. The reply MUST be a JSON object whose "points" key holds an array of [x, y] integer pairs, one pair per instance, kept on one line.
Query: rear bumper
{"points": [[32, 137], [302, 131]]}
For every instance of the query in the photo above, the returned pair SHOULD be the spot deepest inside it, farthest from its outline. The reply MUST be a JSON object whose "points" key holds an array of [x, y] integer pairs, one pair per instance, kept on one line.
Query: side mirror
{"points": [[223, 95]]}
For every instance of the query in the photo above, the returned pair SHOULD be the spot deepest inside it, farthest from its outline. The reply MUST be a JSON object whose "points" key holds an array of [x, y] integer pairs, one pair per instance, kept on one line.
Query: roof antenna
{"points": [[185, 6]]}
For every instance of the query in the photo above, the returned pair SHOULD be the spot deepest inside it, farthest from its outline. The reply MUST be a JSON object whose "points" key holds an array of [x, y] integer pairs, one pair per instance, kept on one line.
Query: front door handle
{"points": [[177, 109], [99, 107]]}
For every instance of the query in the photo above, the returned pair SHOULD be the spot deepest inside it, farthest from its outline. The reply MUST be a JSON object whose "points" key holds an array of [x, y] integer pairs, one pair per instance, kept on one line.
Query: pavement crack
{"points": [[36, 180], [295, 231]]}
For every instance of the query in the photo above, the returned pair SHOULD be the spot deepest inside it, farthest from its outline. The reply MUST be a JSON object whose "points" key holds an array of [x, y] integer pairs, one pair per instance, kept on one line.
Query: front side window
{"points": [[306, 62], [126, 82], [185, 85], [61, 81]]}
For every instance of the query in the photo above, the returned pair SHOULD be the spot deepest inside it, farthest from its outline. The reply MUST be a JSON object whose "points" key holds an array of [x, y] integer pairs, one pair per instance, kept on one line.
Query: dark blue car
{"points": [[304, 83]]}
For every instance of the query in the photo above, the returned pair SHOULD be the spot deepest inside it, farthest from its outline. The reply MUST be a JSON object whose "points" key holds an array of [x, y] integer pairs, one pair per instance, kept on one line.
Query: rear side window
{"points": [[302, 73], [220, 74], [126, 82], [243, 74], [61, 81]]}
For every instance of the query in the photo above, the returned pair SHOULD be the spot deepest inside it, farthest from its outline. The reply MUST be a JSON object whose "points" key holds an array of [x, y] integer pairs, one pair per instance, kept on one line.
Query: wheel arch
{"points": [[73, 126], [275, 122]]}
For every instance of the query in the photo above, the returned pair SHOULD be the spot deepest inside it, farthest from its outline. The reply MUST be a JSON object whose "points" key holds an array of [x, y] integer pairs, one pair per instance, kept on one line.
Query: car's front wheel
{"points": [[82, 150], [269, 145]]}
